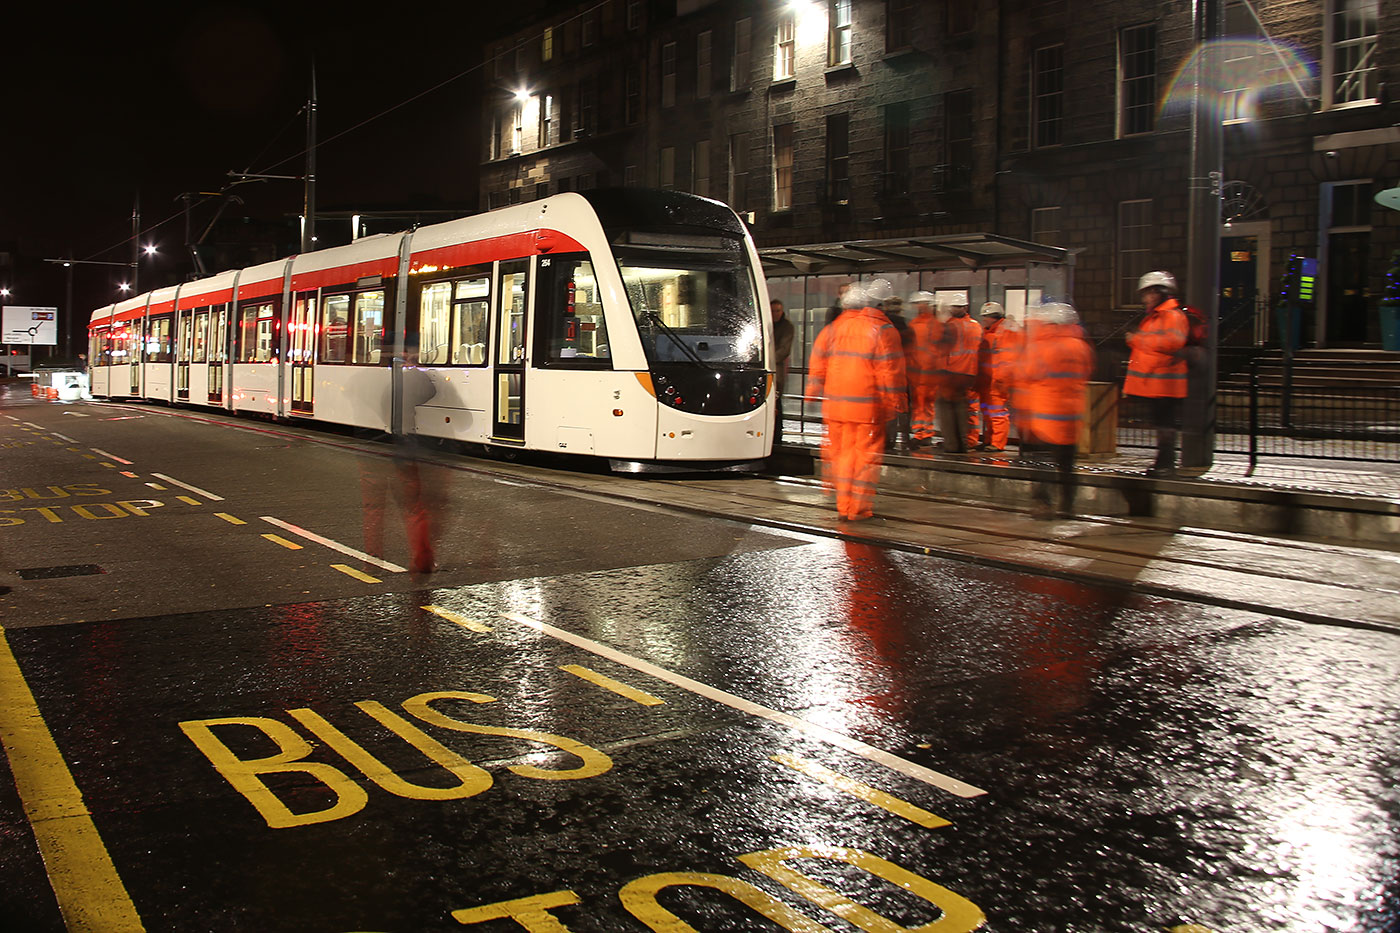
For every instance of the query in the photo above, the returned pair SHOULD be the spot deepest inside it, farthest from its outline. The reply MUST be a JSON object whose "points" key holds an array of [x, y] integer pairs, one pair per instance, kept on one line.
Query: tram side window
{"points": [[158, 340], [369, 328], [201, 342], [217, 334], [570, 328], [100, 349], [470, 307], [256, 330], [335, 327]]}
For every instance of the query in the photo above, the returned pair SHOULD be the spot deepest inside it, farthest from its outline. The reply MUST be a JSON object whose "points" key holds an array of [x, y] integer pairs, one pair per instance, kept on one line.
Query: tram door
{"points": [[135, 351], [184, 344], [218, 353], [510, 351], [300, 354]]}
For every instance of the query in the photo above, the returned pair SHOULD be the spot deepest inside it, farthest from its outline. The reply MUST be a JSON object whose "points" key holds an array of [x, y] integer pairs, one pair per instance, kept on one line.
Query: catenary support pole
{"points": [[1202, 286]]}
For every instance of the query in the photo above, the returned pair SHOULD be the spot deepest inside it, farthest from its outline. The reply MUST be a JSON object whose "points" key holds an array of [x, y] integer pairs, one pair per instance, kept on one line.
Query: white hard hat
{"points": [[879, 289], [921, 298], [1158, 280], [1053, 312], [993, 309], [952, 299], [855, 297]]}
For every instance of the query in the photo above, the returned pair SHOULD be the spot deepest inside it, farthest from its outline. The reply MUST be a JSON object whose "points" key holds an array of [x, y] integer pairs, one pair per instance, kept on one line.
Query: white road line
{"points": [[203, 492], [333, 545], [918, 772], [102, 452], [64, 436]]}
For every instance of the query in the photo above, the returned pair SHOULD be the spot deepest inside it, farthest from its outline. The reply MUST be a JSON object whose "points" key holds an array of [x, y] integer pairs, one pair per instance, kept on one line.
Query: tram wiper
{"points": [[675, 338]]}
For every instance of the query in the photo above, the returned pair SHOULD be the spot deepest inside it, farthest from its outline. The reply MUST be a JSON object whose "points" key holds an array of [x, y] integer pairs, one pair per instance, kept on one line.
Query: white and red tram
{"points": [[624, 324]]}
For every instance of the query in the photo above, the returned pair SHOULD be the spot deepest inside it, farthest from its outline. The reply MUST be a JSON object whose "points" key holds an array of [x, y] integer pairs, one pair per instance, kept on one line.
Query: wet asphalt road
{"points": [[611, 716]]}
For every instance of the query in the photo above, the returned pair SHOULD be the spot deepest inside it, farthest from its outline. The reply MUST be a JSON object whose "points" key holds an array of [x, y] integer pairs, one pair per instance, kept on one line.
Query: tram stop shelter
{"points": [[987, 266]]}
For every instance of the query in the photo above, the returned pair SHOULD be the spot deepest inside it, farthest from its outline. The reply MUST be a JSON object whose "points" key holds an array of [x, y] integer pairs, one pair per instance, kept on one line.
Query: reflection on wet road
{"points": [[367, 764]]}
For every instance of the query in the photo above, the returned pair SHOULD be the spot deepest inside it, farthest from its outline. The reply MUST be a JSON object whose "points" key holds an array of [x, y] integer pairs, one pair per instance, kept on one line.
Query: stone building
{"points": [[1057, 122]]}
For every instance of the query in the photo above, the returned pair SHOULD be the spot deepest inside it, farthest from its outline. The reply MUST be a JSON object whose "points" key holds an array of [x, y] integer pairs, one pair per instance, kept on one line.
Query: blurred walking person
{"points": [[1048, 394], [783, 332], [857, 372], [925, 359], [1157, 366], [898, 434], [961, 338], [995, 359]]}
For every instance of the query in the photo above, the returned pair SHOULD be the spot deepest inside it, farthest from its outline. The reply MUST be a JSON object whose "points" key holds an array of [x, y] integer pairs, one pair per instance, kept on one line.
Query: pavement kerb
{"points": [[1206, 503]]}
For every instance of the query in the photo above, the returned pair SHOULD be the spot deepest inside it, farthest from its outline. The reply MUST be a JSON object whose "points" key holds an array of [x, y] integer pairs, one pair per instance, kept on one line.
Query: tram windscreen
{"points": [[694, 305]]}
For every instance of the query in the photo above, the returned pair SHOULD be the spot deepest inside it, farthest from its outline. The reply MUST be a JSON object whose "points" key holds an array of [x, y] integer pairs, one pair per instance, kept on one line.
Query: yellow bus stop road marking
{"points": [[89, 892], [454, 618], [230, 519], [864, 791], [348, 570], [616, 686], [278, 539]]}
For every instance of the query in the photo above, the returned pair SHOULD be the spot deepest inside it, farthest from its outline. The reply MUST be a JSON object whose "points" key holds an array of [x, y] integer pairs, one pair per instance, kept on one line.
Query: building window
{"points": [[1350, 51], [547, 44], [1346, 211], [548, 121], [738, 173], [666, 168], [517, 129], [1134, 247], [899, 25], [785, 48], [838, 158], [896, 149], [634, 14], [839, 32], [590, 29], [629, 176], [668, 75], [632, 103], [520, 59], [1047, 95], [739, 66], [700, 168], [704, 76], [782, 167], [1045, 226], [587, 108], [1137, 80], [957, 135]]}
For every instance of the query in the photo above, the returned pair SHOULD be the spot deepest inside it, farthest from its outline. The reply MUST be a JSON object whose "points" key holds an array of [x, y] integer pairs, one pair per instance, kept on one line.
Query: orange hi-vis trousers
{"points": [[852, 454], [992, 425]]}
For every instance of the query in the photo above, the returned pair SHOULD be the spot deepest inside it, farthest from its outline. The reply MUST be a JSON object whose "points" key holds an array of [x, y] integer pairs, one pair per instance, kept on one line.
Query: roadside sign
{"points": [[30, 326]]}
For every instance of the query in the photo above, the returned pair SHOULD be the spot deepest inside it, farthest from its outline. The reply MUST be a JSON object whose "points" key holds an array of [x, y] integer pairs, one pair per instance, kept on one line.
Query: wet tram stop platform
{"points": [[1309, 539]]}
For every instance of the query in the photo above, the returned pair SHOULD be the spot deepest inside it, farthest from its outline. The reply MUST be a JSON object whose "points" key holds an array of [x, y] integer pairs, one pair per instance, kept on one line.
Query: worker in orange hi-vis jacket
{"points": [[1157, 366], [1048, 394], [961, 338], [856, 370], [924, 361], [995, 359]]}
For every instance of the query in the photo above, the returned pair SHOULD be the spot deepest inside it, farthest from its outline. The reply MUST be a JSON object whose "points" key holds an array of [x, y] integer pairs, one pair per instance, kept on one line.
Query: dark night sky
{"points": [[105, 101]]}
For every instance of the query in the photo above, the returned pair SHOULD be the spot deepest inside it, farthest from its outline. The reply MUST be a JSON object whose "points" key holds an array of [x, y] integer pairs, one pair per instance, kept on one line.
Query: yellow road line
{"points": [[89, 891], [616, 686], [278, 539], [345, 568], [456, 619], [189, 501], [230, 519], [864, 791]]}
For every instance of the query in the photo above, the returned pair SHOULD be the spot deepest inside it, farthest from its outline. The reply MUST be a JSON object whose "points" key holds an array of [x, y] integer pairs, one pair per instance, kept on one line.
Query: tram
{"points": [[625, 324]]}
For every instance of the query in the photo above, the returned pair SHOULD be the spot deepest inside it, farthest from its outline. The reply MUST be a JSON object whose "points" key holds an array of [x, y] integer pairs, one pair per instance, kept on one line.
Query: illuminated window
{"points": [[571, 329], [782, 167], [1350, 51], [785, 48], [839, 39], [547, 44], [369, 328], [256, 330]]}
